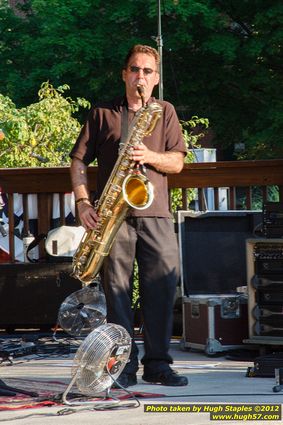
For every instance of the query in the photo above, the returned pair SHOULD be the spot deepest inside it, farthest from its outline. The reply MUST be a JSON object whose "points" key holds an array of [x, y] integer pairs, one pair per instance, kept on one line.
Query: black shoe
{"points": [[169, 378], [125, 380]]}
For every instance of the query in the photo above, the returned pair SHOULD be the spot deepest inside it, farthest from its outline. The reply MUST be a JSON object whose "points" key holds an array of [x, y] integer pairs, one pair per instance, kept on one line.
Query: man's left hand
{"points": [[141, 154]]}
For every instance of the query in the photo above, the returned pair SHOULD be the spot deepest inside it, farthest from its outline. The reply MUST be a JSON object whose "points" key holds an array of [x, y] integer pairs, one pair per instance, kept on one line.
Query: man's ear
{"points": [[123, 74], [156, 81]]}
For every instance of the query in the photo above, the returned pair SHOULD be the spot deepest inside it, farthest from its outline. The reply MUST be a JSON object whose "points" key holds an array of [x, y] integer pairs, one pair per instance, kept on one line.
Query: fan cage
{"points": [[101, 358]]}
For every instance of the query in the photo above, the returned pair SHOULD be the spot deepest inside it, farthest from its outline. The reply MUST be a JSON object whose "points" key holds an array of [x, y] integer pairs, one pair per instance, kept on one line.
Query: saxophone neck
{"points": [[140, 89]]}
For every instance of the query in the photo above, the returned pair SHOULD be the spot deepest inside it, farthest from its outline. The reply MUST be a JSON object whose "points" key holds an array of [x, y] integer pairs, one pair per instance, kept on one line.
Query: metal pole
{"points": [[160, 46]]}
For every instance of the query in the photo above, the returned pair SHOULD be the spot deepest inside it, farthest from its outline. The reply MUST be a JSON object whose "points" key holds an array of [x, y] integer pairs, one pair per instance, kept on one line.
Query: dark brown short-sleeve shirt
{"points": [[100, 137]]}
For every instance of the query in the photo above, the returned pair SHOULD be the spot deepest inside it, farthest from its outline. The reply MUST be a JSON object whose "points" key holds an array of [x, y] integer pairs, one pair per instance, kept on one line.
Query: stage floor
{"points": [[212, 380]]}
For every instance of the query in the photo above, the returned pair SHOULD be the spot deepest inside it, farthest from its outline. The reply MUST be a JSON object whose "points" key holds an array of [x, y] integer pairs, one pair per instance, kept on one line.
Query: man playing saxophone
{"points": [[146, 234]]}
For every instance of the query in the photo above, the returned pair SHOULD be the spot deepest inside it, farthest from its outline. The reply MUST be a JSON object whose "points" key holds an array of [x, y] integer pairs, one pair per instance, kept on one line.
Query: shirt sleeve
{"points": [[85, 147], [174, 136]]}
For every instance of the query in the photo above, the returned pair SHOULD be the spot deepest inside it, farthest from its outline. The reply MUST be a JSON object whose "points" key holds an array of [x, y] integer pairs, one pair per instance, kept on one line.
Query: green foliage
{"points": [[239, 85], [256, 197], [41, 134], [136, 292], [221, 59], [193, 131]]}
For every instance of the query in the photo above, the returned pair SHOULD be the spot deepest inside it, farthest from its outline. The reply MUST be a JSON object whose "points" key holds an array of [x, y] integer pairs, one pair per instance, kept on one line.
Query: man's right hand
{"points": [[88, 215]]}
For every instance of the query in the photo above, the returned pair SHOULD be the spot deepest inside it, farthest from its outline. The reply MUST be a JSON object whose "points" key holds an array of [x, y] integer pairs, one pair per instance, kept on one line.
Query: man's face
{"points": [[141, 70]]}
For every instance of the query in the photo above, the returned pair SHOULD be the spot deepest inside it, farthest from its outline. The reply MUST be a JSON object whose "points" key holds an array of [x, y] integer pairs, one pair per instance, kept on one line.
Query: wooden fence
{"points": [[241, 180]]}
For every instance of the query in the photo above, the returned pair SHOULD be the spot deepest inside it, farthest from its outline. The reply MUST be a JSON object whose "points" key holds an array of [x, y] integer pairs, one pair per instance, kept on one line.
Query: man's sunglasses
{"points": [[136, 70]]}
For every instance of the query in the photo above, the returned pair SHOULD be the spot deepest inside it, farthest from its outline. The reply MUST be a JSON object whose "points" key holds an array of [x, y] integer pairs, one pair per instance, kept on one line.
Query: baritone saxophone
{"points": [[127, 187]]}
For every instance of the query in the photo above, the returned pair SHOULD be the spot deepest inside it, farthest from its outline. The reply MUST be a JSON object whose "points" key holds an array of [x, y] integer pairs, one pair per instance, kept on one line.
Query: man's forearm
{"points": [[79, 179], [87, 213], [167, 162]]}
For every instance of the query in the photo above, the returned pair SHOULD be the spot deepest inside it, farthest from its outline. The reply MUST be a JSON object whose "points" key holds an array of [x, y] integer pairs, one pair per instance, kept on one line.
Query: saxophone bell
{"points": [[137, 191]]}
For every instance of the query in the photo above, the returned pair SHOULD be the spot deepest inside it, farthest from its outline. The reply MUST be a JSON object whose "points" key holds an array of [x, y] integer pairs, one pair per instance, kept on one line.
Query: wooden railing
{"points": [[236, 176]]}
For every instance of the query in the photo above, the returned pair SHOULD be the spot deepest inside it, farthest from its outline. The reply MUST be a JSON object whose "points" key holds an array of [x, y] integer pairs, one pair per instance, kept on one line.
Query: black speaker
{"points": [[273, 219], [31, 293], [213, 249]]}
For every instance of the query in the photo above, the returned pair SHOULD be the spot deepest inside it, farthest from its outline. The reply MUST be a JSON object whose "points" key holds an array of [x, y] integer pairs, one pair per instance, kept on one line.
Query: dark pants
{"points": [[153, 243]]}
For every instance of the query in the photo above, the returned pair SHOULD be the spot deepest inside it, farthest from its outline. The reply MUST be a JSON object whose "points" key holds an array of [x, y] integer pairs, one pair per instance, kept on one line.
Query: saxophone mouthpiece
{"points": [[141, 93]]}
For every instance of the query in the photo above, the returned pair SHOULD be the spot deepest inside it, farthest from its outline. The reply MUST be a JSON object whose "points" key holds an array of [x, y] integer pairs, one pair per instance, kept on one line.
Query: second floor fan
{"points": [[82, 311]]}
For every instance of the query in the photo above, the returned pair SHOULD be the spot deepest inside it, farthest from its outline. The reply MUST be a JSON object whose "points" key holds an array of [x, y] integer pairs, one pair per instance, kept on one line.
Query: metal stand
{"points": [[160, 51], [279, 380], [105, 402]]}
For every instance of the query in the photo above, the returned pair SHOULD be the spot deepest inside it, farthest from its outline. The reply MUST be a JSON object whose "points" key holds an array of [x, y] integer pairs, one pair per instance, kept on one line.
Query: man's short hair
{"points": [[142, 48]]}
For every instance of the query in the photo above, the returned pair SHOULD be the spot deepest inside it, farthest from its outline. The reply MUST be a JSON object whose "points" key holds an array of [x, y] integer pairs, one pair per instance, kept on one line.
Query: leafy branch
{"points": [[42, 133]]}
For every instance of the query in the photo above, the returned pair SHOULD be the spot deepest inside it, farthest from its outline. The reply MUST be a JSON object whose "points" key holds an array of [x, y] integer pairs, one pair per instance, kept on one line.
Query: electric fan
{"points": [[99, 360], [82, 311]]}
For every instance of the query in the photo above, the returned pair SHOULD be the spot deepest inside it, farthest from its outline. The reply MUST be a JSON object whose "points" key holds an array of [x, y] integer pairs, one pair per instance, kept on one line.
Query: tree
{"points": [[233, 69], [222, 59]]}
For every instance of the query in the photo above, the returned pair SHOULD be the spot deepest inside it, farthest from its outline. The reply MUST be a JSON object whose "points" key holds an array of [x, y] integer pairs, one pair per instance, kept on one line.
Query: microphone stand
{"points": [[159, 42]]}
